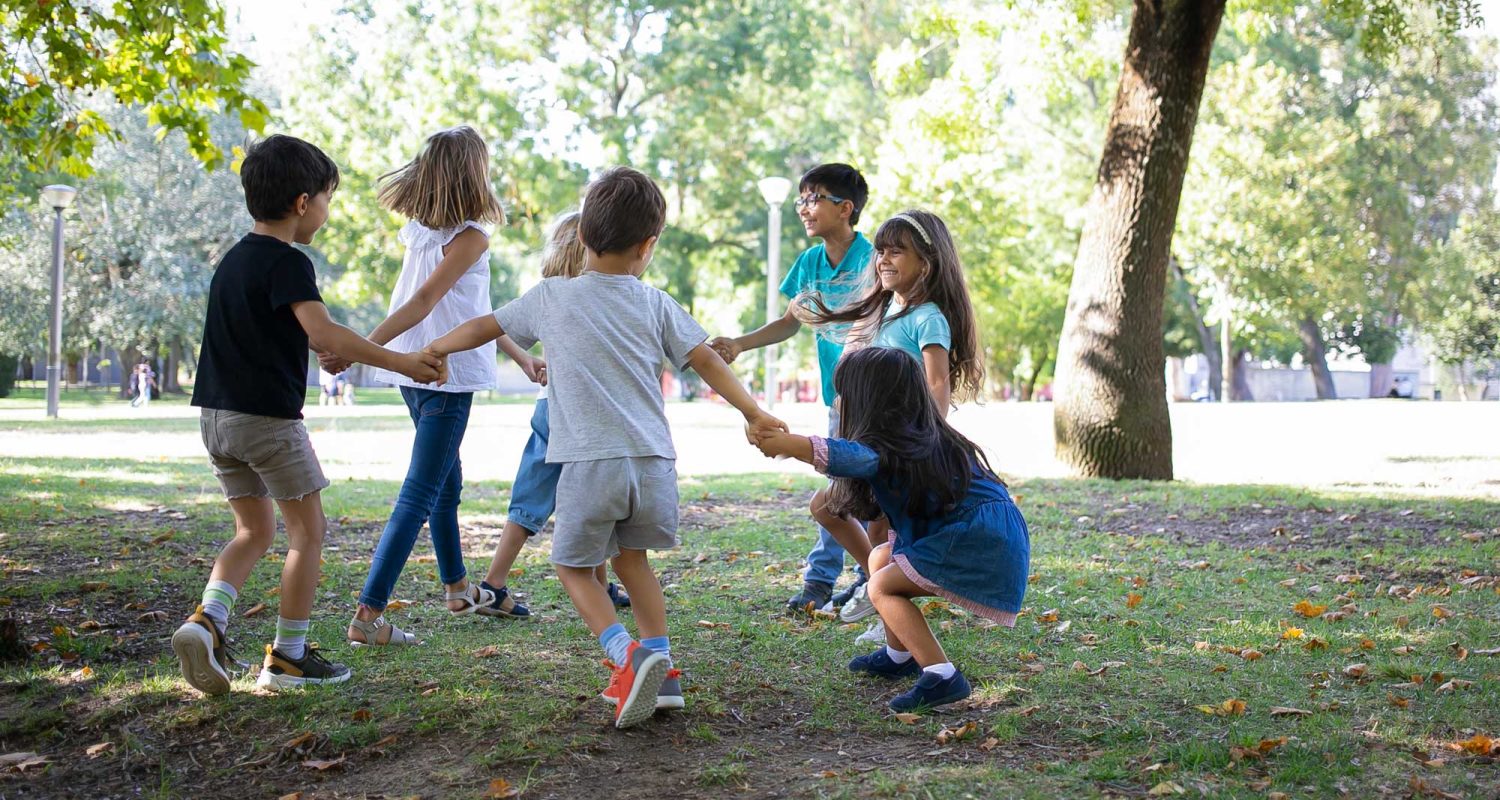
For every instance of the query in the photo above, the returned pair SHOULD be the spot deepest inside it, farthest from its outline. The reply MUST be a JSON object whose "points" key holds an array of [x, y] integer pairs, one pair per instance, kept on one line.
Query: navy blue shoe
{"points": [[932, 691], [879, 663], [618, 596], [504, 605]]}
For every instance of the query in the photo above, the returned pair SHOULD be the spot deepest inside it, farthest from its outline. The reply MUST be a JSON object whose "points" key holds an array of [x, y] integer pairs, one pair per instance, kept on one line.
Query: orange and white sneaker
{"points": [[203, 654], [280, 672], [668, 697], [634, 687]]}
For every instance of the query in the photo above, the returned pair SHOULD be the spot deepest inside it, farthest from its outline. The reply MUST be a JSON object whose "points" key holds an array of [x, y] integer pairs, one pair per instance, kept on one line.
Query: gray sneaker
{"points": [[669, 696], [859, 606]]}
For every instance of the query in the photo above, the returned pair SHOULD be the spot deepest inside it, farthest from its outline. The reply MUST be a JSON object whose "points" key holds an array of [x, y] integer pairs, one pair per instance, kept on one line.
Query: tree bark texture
{"points": [[1111, 414], [1239, 380], [1382, 379], [1316, 353]]}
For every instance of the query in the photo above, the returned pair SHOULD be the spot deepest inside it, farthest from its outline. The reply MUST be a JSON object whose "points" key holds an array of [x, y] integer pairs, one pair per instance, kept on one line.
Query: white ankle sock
{"points": [[898, 656], [291, 637], [944, 670], [218, 601]]}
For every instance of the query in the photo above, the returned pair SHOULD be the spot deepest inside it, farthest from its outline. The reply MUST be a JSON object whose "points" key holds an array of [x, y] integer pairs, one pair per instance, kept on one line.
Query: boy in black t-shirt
{"points": [[264, 310]]}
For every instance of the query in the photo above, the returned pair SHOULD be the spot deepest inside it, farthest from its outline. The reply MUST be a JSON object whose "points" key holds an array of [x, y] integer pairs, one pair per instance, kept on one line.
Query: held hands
{"points": [[762, 425], [441, 363], [332, 364], [775, 444], [424, 367], [726, 348], [536, 370]]}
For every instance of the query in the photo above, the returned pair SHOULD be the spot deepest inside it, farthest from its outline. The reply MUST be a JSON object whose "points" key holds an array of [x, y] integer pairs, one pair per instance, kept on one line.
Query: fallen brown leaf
{"points": [[488, 651], [93, 586], [909, 719], [1165, 788], [253, 610], [958, 733], [1479, 745], [362, 715], [1307, 609], [989, 744], [500, 789], [1132, 600], [99, 749], [1356, 670], [1286, 711], [293, 744]]}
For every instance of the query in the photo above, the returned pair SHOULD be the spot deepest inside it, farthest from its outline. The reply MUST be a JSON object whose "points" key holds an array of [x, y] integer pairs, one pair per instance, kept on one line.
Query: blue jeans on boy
{"points": [[826, 560], [533, 494], [430, 494]]}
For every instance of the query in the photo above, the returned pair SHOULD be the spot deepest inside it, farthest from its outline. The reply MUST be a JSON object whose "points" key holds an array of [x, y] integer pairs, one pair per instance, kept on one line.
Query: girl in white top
{"points": [[445, 279]]}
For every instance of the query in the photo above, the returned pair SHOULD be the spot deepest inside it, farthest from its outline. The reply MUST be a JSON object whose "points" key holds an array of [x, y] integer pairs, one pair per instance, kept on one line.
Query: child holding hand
{"points": [[917, 302], [954, 531], [607, 335]]}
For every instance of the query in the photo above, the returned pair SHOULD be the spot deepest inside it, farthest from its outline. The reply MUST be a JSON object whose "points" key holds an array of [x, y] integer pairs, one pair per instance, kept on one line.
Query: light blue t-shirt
{"points": [[812, 272], [925, 325]]}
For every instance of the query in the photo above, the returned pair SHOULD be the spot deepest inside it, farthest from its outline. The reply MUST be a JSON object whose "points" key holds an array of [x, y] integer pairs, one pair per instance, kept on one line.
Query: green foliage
{"points": [[168, 58], [1465, 302]]}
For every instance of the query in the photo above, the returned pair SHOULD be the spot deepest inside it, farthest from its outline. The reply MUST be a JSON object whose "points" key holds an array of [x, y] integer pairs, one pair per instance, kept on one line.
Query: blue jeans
{"points": [[533, 495], [826, 560], [429, 494]]}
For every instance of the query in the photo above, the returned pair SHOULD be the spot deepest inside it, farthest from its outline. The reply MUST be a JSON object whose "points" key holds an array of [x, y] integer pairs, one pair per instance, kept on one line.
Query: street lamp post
{"points": [[59, 197], [774, 190]]}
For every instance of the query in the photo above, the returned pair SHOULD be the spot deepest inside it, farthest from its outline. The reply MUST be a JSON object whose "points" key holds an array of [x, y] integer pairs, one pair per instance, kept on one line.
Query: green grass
{"points": [[771, 708]]}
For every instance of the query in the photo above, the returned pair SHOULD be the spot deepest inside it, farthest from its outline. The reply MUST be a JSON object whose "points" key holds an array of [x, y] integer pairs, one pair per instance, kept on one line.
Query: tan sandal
{"points": [[380, 633], [474, 597]]}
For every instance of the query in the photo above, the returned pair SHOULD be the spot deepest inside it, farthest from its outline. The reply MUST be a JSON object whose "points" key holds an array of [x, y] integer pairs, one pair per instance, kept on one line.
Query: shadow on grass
{"points": [[1144, 601]]}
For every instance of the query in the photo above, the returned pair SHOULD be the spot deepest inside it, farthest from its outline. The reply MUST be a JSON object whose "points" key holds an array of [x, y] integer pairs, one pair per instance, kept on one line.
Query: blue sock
{"points": [[616, 642], [660, 645]]}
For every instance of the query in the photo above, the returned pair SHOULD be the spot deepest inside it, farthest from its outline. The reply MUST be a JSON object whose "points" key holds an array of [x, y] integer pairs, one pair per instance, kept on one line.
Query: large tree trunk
{"points": [[1382, 379], [1316, 354], [167, 380], [1239, 378], [127, 359], [1111, 415]]}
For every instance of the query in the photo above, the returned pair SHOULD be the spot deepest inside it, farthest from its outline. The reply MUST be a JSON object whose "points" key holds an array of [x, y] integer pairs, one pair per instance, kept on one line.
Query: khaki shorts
{"points": [[614, 503], [255, 456]]}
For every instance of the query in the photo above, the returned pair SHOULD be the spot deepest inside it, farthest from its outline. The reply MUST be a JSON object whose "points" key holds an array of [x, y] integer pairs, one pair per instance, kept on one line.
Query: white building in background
{"points": [[1414, 374]]}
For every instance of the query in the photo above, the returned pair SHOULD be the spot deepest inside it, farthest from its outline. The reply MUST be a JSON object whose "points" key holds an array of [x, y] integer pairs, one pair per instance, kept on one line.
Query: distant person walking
{"points": [[144, 379]]}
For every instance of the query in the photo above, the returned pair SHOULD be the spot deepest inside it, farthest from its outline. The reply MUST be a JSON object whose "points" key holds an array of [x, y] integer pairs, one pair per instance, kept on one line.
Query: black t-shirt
{"points": [[254, 356]]}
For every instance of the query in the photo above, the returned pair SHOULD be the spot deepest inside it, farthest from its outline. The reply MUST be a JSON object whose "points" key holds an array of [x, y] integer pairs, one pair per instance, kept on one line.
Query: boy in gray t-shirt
{"points": [[607, 335]]}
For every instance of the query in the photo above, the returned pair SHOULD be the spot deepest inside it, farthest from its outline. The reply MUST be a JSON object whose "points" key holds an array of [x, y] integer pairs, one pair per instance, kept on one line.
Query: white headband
{"points": [[907, 218]]}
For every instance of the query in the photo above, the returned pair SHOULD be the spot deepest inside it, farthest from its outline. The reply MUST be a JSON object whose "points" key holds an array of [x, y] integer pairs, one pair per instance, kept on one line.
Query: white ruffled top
{"points": [[469, 371]]}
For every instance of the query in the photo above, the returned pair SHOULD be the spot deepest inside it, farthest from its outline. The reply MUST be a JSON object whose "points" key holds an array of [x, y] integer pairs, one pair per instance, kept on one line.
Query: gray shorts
{"points": [[614, 503], [255, 456]]}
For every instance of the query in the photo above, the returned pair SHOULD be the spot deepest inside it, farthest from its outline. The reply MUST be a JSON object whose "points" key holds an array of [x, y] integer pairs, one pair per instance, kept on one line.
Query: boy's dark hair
{"points": [[622, 208], [840, 180], [278, 169]]}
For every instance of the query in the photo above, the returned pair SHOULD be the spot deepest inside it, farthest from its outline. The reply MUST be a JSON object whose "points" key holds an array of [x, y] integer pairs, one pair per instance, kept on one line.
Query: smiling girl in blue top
{"points": [[917, 302], [955, 533]]}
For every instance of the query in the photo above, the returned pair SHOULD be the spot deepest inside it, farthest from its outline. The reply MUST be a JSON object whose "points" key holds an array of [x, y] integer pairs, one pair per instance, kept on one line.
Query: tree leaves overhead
{"points": [[169, 59]]}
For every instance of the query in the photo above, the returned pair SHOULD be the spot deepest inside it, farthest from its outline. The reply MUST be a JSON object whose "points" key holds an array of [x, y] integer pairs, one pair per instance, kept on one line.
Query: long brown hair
{"points": [[563, 255], [885, 405], [447, 184], [943, 286]]}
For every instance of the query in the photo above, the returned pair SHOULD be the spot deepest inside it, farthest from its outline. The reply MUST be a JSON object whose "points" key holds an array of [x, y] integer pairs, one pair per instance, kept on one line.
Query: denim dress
{"points": [[977, 555]]}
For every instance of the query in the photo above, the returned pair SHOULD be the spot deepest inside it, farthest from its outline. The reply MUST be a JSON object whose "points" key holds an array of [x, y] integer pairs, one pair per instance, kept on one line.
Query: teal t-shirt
{"points": [[925, 325], [812, 272]]}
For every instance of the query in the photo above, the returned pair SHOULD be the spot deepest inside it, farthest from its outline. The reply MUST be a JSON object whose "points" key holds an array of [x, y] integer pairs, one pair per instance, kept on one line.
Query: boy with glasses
{"points": [[831, 197]]}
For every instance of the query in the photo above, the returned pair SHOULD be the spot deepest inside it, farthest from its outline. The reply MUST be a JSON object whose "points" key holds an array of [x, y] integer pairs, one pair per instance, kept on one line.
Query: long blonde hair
{"points": [[563, 255], [447, 184]]}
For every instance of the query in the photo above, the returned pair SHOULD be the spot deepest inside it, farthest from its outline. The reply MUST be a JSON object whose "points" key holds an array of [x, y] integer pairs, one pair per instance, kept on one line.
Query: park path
{"points": [[1446, 449]]}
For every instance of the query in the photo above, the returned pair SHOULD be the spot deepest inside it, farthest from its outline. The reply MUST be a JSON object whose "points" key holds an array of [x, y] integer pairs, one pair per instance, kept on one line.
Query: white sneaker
{"points": [[875, 634], [859, 605]]}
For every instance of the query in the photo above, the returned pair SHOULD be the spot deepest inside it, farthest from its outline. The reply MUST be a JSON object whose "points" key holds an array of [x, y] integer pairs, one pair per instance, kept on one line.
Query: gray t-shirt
{"points": [[607, 337]]}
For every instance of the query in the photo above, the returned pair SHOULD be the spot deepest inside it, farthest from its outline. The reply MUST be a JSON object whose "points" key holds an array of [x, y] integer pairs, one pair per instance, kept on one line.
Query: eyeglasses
{"points": [[812, 199]]}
